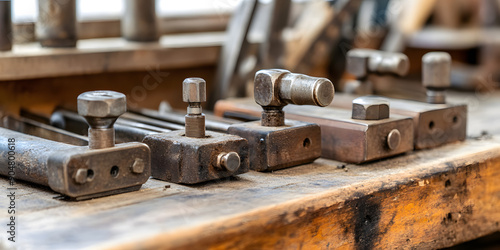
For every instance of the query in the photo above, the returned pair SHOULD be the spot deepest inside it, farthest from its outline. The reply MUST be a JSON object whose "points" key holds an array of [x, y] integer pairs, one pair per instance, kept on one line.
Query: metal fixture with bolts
{"points": [[56, 23], [194, 155], [274, 142], [366, 133], [139, 21], [363, 63], [436, 122], [81, 172]]}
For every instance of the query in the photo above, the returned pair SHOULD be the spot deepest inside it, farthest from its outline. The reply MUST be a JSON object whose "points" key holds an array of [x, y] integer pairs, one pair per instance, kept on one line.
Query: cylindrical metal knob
{"points": [[362, 62], [436, 68], [6, 36], [370, 108], [194, 93], [393, 139], [229, 161], [302, 89], [56, 24], [101, 109], [275, 88], [139, 21]]}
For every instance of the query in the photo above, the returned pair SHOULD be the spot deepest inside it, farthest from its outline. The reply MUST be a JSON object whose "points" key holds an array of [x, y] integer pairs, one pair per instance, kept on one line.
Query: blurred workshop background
{"points": [[207, 39]]}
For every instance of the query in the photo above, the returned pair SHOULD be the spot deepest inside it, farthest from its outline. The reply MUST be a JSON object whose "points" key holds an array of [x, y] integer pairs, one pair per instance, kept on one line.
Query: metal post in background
{"points": [[5, 26], [139, 21], [56, 24]]}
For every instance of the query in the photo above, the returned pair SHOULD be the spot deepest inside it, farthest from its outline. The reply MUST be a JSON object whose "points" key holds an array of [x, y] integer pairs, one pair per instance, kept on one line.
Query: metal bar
{"points": [[212, 123], [45, 131], [30, 155], [56, 23], [126, 130]]}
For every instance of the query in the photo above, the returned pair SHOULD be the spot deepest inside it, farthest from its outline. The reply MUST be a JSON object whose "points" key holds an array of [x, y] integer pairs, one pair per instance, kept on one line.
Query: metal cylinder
{"points": [[6, 36], [273, 117], [101, 138], [56, 24], [306, 90], [195, 126], [29, 161], [139, 21], [436, 70]]}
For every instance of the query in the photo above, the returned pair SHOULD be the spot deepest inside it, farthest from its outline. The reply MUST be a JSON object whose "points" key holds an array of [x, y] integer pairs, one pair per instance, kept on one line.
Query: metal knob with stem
{"points": [[436, 68], [275, 88], [101, 109]]}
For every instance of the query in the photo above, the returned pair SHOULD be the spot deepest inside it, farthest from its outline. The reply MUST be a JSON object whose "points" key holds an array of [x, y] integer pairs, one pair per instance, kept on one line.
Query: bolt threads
{"points": [[273, 117], [195, 125], [101, 138]]}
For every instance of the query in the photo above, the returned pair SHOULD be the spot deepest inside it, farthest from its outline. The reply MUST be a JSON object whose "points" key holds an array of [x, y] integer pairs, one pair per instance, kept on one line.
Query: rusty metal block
{"points": [[357, 141], [435, 124], [181, 159], [273, 148], [75, 171]]}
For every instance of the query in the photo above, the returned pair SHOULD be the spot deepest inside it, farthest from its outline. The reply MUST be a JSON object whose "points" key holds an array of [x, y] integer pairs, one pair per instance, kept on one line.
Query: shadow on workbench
{"points": [[491, 241]]}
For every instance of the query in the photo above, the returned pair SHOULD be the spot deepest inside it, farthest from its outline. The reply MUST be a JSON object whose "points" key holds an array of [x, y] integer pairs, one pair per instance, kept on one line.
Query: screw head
{"points": [[393, 139], [194, 90], [229, 161], [370, 108], [265, 91], [102, 104], [138, 166], [81, 175]]}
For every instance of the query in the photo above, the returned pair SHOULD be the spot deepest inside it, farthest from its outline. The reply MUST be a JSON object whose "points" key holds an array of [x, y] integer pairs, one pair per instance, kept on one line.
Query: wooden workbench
{"points": [[425, 199], [428, 199]]}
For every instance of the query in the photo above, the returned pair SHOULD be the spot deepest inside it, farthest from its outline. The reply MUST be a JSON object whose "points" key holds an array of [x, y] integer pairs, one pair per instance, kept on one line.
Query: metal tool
{"points": [[194, 155], [75, 171], [139, 21], [31, 127], [274, 142], [6, 35], [363, 63], [126, 130], [435, 124], [366, 133], [56, 23]]}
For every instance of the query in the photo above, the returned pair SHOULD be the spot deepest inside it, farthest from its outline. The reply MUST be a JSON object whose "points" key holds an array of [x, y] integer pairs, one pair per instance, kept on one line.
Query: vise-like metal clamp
{"points": [[80, 172], [194, 155], [363, 63], [276, 143]]}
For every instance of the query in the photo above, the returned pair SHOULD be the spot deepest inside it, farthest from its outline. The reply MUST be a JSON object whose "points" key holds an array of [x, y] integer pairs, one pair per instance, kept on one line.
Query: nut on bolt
{"points": [[101, 109], [138, 166], [370, 108], [194, 93]]}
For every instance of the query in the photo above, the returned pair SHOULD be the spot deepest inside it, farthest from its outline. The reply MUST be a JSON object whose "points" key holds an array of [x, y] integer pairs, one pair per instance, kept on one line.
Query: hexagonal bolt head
{"points": [[102, 104], [362, 62], [194, 90], [370, 108], [229, 161], [138, 166], [436, 68], [278, 87]]}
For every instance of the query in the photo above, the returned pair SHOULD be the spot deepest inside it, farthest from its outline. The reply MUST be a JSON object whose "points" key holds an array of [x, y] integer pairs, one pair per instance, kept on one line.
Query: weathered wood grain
{"points": [[94, 56], [426, 199]]}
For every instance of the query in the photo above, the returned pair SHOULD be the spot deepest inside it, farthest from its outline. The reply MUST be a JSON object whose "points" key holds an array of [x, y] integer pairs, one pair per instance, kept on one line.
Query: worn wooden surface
{"points": [[426, 199], [94, 56]]}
